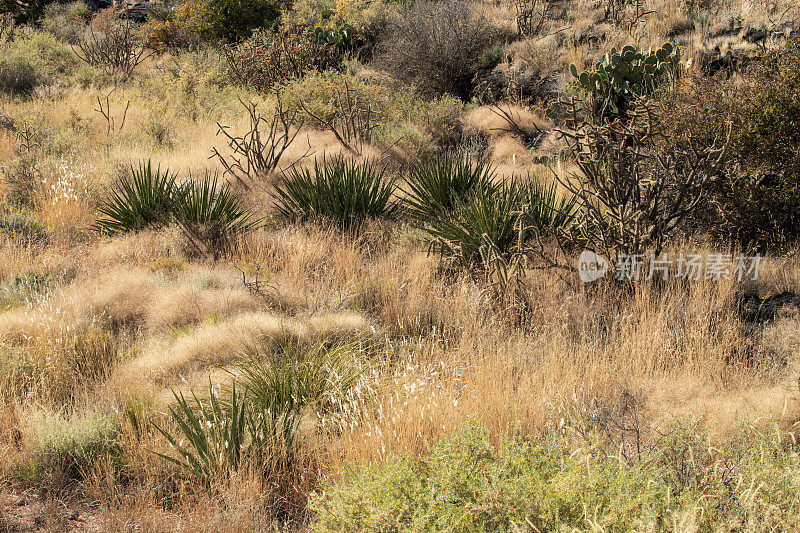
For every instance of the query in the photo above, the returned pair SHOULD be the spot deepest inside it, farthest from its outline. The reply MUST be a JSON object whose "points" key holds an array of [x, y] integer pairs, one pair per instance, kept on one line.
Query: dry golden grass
{"points": [[140, 319]]}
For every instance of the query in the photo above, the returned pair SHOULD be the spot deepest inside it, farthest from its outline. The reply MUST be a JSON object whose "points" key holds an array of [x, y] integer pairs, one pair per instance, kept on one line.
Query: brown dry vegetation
{"points": [[117, 324]]}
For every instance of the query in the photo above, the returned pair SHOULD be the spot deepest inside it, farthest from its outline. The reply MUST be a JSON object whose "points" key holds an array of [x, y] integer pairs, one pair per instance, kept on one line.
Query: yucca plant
{"points": [[439, 185], [544, 209], [214, 436], [481, 223], [144, 199], [211, 214], [340, 190]]}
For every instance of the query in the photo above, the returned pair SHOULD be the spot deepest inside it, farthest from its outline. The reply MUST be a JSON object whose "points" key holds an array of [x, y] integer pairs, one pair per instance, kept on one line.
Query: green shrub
{"points": [[755, 201], [68, 445], [340, 190], [34, 59], [464, 483], [227, 20], [760, 202], [283, 382], [469, 215], [217, 437]]}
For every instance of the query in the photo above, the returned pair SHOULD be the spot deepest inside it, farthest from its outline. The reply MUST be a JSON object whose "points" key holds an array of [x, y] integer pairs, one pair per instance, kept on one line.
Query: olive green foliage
{"points": [[756, 200], [761, 201], [464, 483], [339, 190], [626, 74], [66, 445], [228, 20], [33, 59]]}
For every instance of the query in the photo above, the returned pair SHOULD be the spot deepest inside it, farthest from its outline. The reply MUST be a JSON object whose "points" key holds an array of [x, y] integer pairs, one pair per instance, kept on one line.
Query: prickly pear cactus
{"points": [[628, 73], [341, 37]]}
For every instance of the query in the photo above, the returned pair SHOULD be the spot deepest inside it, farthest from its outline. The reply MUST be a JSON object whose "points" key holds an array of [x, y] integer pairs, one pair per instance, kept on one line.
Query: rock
{"points": [[753, 308]]}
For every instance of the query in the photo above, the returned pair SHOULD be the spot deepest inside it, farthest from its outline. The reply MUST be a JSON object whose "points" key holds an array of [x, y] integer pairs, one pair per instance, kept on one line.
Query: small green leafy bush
{"points": [[68, 445], [340, 190], [464, 483], [34, 59], [226, 20]]}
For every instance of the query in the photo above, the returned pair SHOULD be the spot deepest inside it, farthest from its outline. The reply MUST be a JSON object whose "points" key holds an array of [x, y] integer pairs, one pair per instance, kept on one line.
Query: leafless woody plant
{"points": [[258, 152]]}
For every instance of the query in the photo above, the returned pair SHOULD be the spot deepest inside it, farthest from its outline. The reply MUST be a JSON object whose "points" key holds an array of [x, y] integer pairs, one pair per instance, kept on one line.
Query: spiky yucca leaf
{"points": [[141, 200], [211, 213], [343, 191], [481, 222], [438, 186], [213, 435], [544, 209]]}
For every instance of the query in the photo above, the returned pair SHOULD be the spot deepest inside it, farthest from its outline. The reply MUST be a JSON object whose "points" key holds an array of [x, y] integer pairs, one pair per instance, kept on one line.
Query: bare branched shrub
{"points": [[626, 13], [438, 45], [634, 192], [116, 48], [531, 16], [352, 121], [258, 152]]}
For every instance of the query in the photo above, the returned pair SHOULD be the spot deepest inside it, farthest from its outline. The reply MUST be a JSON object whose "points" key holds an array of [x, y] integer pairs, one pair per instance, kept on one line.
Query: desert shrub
{"points": [[760, 201], [112, 45], [436, 187], [469, 215], [756, 200], [217, 437], [337, 189], [465, 483], [226, 20], [257, 153], [255, 422], [437, 45], [67, 21], [267, 58], [68, 445], [24, 12], [32, 60]]}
